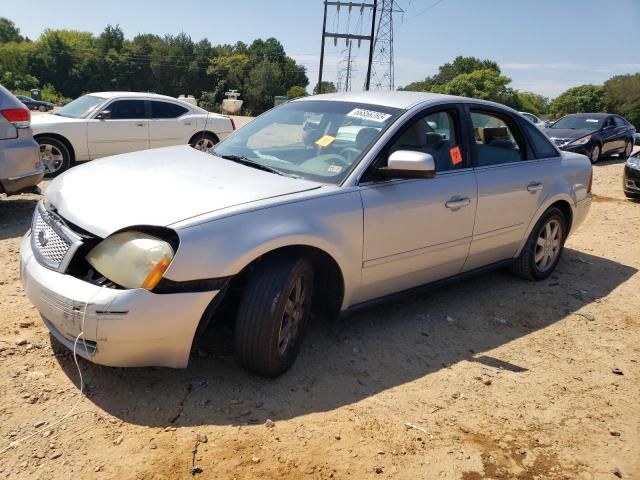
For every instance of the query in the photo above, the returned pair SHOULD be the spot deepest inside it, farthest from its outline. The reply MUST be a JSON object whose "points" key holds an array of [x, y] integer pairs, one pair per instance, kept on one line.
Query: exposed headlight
{"points": [[132, 259], [634, 162], [581, 141]]}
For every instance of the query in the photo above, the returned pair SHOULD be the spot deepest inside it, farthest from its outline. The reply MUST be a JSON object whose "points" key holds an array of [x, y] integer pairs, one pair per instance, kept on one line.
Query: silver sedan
{"points": [[321, 205]]}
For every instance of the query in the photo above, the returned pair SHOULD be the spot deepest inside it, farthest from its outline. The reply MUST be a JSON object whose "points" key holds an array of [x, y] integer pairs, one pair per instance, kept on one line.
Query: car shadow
{"points": [[346, 361], [15, 216], [611, 160]]}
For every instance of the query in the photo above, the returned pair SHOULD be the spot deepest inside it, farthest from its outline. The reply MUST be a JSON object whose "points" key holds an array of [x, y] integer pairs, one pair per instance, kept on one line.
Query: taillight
{"points": [[233, 124], [590, 182], [19, 117]]}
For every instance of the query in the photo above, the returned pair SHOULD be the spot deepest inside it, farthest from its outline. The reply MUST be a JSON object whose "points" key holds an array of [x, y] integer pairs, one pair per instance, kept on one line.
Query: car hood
{"points": [[51, 119], [160, 187], [568, 133]]}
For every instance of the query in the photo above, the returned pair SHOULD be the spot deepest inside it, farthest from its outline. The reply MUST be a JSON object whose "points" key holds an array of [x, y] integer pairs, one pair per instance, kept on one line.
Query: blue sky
{"points": [[545, 46]]}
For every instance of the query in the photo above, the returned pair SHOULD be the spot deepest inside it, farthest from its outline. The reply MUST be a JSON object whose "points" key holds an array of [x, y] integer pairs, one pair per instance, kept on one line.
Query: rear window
{"points": [[541, 145]]}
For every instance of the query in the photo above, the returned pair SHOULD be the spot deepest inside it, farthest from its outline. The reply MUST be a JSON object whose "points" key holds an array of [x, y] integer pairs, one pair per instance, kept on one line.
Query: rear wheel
{"points": [[541, 254], [594, 154], [42, 108], [203, 141], [54, 155], [273, 313]]}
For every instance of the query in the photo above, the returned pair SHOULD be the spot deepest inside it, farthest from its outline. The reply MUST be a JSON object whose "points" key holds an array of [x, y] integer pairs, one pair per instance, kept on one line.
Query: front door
{"points": [[125, 130], [510, 187], [419, 230]]}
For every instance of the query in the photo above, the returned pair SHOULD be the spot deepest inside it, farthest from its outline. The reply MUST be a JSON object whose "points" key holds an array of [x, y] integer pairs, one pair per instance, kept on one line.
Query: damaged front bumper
{"points": [[122, 328]]}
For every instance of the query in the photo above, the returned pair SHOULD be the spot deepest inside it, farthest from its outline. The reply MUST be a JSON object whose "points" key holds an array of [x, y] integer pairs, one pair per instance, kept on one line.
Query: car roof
{"points": [[397, 99], [133, 94], [592, 115]]}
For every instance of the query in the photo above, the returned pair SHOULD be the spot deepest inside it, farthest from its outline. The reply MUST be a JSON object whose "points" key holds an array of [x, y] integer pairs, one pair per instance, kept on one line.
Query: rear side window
{"points": [[166, 110], [541, 145], [495, 142], [127, 109]]}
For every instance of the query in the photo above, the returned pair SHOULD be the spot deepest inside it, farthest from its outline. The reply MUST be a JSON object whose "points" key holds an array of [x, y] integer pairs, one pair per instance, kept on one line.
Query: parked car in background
{"points": [[631, 178], [289, 216], [20, 167], [109, 123], [595, 135], [32, 104], [533, 119]]}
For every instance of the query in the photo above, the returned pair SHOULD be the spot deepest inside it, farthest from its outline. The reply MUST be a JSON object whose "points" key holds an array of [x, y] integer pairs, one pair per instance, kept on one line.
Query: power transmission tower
{"points": [[349, 37], [345, 70], [383, 67]]}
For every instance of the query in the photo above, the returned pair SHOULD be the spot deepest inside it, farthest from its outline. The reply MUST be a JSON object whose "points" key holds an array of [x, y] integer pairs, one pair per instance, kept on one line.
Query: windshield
{"points": [[312, 139], [578, 123], [80, 107]]}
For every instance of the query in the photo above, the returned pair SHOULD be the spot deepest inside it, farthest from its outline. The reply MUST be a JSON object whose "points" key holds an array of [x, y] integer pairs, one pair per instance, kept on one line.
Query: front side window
{"points": [[312, 139], [166, 110], [495, 142], [436, 135], [127, 109], [620, 122]]}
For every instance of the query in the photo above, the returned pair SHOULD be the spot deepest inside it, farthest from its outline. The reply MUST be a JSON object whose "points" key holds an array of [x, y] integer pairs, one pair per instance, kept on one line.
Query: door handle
{"points": [[139, 124], [188, 124], [457, 202], [535, 187]]}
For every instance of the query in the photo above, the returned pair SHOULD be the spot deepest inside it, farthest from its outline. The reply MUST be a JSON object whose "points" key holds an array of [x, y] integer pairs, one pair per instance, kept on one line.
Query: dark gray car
{"points": [[20, 167]]}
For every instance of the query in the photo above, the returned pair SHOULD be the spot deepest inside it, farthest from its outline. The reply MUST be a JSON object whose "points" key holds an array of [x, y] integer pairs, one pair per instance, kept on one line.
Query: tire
{"points": [[203, 141], [42, 108], [530, 263], [278, 293], [634, 196], [628, 149], [55, 156], [595, 153]]}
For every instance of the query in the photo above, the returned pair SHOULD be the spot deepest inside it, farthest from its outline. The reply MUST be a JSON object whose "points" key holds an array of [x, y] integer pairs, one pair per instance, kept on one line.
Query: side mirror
{"points": [[103, 115], [409, 164]]}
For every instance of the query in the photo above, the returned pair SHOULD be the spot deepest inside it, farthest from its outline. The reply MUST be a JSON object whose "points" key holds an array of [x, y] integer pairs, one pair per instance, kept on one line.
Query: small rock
{"points": [[614, 432], [152, 446], [98, 468], [195, 469], [39, 424], [56, 455], [21, 341], [486, 380], [617, 472], [39, 455], [379, 469], [450, 319], [255, 460], [337, 437], [589, 316], [202, 438], [617, 371], [47, 433], [456, 394], [501, 321], [118, 440], [269, 423], [170, 429], [25, 324], [355, 350]]}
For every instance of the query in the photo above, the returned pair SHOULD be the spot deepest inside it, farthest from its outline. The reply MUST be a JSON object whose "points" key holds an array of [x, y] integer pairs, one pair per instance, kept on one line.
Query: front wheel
{"points": [[541, 254], [54, 155], [628, 148], [273, 313], [594, 155], [42, 108]]}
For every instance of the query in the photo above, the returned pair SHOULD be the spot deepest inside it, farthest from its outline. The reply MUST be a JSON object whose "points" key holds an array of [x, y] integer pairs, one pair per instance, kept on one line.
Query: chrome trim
{"points": [[68, 241]]}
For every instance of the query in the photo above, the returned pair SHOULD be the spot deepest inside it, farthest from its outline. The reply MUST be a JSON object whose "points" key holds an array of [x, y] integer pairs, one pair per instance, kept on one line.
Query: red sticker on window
{"points": [[455, 155]]}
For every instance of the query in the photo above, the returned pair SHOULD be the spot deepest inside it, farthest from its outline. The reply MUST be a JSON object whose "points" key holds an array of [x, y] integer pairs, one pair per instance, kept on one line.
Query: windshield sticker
{"points": [[455, 155], [334, 168], [368, 115], [592, 120], [325, 141]]}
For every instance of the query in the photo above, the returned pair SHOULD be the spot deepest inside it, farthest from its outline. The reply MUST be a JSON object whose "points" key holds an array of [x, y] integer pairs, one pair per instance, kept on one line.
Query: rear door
{"points": [[126, 130], [419, 230], [170, 124], [511, 185]]}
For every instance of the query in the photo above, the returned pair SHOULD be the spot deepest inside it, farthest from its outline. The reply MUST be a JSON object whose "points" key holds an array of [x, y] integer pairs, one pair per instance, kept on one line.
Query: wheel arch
{"points": [[62, 139], [209, 132]]}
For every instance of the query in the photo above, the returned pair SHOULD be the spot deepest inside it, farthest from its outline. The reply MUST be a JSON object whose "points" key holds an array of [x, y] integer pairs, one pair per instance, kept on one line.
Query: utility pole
{"points": [[349, 37]]}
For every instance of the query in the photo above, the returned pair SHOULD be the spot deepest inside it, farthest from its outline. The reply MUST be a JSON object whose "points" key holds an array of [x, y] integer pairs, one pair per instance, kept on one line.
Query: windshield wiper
{"points": [[251, 163]]}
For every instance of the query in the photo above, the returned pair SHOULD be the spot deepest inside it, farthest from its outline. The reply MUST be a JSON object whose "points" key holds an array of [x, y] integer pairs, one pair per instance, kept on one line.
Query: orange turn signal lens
{"points": [[156, 274]]}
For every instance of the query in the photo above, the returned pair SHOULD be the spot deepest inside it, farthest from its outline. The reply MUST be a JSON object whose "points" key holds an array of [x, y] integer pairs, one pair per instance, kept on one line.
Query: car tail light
{"points": [[233, 124], [590, 182], [19, 117]]}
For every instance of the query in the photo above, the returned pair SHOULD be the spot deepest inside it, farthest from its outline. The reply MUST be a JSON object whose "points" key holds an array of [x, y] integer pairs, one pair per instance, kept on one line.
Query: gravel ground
{"points": [[491, 378]]}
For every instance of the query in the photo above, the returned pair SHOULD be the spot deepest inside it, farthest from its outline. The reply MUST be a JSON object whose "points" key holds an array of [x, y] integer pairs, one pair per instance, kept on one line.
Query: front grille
{"points": [[53, 243]]}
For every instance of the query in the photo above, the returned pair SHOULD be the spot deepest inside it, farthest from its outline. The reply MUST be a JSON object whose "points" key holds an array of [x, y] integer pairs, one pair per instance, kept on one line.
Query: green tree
{"points": [[585, 98], [8, 31], [264, 83], [533, 103], [622, 95], [486, 84], [449, 71], [327, 87], [296, 91]]}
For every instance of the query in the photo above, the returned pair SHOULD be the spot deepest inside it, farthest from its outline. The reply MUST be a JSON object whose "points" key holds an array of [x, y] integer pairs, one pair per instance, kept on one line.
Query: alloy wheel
{"points": [[548, 245], [595, 154], [51, 158], [294, 312], [628, 149], [204, 145]]}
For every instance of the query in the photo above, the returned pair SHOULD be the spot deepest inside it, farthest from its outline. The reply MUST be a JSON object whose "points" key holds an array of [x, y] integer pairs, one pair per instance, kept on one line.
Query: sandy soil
{"points": [[491, 378]]}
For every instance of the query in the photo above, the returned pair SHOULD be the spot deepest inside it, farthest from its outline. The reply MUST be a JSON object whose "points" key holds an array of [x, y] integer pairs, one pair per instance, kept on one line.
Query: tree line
{"points": [[472, 77], [68, 63]]}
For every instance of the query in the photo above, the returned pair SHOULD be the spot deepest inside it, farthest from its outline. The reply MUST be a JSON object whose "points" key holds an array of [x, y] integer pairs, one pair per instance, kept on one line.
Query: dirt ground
{"points": [[491, 378]]}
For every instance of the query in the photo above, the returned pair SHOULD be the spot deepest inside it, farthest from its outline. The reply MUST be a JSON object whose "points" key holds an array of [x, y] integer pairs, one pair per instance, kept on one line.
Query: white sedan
{"points": [[108, 123]]}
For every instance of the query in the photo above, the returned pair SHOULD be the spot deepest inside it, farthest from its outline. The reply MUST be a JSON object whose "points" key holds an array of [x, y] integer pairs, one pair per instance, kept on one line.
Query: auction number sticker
{"points": [[372, 115]]}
